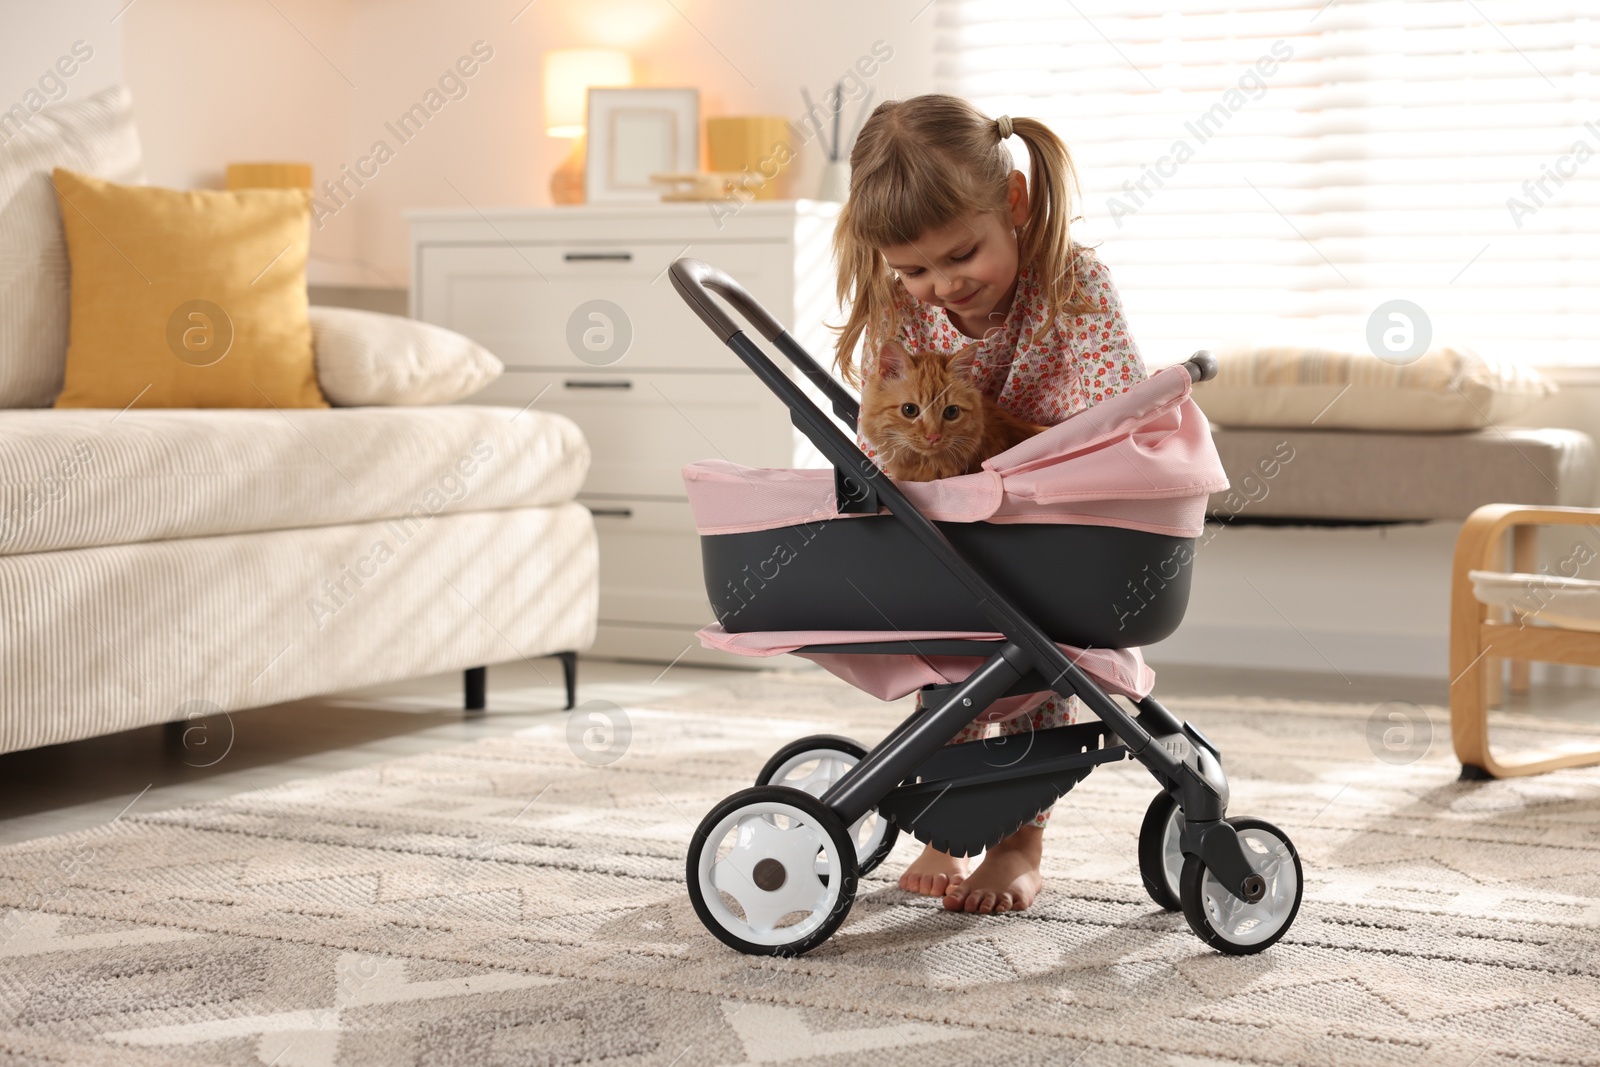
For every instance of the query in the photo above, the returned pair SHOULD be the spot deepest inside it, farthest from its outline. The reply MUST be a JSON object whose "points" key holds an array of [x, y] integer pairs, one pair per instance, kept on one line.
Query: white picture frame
{"points": [[634, 133]]}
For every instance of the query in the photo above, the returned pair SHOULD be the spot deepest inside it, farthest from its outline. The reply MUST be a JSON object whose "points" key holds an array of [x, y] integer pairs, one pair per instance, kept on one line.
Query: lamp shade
{"points": [[569, 73]]}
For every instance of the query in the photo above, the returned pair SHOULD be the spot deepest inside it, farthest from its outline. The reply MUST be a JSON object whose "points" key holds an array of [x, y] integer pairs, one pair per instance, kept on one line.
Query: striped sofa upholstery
{"points": [[153, 562]]}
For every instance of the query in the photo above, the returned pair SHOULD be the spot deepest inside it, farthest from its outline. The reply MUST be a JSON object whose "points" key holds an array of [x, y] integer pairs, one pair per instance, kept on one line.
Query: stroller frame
{"points": [[914, 767]]}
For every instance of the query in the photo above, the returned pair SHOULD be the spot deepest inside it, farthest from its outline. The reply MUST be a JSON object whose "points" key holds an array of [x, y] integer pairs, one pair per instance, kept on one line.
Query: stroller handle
{"points": [[695, 281], [692, 278], [1202, 366]]}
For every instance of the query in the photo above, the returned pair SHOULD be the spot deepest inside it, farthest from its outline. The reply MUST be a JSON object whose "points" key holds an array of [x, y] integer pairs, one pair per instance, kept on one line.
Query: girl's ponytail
{"points": [[1046, 241]]}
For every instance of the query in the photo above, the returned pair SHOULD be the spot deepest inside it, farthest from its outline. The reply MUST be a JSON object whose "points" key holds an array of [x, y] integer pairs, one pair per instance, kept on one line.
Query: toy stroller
{"points": [[1044, 573]]}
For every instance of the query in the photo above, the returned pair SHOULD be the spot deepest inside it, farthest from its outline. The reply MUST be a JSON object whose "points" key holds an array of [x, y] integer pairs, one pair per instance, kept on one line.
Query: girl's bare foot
{"points": [[1008, 879], [934, 873]]}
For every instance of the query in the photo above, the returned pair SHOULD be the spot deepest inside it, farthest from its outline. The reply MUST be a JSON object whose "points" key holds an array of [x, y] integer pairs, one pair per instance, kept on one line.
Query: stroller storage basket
{"points": [[1090, 586]]}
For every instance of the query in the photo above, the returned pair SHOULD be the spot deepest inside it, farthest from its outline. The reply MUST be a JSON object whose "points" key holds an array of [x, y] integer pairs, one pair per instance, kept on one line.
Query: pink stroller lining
{"points": [[890, 676], [1141, 460]]}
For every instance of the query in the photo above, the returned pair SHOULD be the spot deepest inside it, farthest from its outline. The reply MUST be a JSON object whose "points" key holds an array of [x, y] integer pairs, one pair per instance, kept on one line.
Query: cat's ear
{"points": [[961, 363], [892, 360]]}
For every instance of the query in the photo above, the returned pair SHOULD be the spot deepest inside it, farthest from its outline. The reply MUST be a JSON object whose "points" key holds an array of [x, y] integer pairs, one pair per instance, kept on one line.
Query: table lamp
{"points": [[569, 73]]}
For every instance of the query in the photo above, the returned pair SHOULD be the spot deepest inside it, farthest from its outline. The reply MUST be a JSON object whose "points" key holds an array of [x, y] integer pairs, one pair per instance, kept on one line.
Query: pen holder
{"points": [[835, 184]]}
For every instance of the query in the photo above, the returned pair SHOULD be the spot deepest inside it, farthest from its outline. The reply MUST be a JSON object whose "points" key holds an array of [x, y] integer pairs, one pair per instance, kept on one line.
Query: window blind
{"points": [[1275, 171]]}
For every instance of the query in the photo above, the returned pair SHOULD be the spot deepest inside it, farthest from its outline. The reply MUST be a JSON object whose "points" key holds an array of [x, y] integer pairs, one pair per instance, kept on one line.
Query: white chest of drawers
{"points": [[650, 386]]}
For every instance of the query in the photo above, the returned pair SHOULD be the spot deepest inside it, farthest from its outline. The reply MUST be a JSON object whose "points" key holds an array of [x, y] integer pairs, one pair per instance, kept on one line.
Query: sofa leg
{"points": [[477, 683], [172, 735], [569, 671]]}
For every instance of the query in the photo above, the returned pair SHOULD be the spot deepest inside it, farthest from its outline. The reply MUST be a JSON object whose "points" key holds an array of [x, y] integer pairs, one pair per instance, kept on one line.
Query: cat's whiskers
{"points": [[965, 451], [891, 448]]}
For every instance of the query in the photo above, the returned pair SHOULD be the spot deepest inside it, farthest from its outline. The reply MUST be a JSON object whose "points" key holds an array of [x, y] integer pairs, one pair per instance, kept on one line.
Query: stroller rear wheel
{"points": [[1229, 924], [1160, 857], [772, 871], [813, 764]]}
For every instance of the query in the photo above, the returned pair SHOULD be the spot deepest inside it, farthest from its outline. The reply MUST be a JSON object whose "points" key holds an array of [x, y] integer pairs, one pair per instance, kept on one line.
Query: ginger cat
{"points": [[927, 419]]}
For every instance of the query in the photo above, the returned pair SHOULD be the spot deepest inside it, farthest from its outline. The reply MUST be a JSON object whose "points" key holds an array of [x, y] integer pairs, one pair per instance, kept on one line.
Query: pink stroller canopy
{"points": [[1141, 460]]}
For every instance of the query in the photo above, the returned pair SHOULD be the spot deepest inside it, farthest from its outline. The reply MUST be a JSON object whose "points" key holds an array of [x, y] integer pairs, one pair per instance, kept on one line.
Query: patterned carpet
{"points": [[509, 902]]}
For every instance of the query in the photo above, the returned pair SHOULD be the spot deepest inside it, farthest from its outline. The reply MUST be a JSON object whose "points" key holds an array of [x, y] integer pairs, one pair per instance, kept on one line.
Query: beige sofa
{"points": [[158, 565], [161, 565]]}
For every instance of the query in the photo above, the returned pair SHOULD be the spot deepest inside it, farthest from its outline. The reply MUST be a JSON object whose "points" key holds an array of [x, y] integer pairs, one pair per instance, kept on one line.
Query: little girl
{"points": [[943, 242]]}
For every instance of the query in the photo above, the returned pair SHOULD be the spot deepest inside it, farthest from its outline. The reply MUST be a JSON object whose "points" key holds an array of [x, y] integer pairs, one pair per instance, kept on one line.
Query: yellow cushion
{"points": [[187, 299]]}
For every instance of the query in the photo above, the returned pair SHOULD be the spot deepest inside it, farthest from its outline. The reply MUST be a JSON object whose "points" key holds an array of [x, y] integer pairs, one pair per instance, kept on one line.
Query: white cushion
{"points": [[364, 358], [84, 477], [1571, 603], [95, 136], [1447, 389]]}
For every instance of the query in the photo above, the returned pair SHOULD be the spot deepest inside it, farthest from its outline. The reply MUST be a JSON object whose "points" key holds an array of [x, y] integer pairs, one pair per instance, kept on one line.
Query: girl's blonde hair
{"points": [[922, 163]]}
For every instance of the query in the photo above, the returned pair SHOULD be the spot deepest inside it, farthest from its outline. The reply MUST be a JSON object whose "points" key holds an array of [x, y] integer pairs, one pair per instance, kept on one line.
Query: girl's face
{"points": [[968, 267]]}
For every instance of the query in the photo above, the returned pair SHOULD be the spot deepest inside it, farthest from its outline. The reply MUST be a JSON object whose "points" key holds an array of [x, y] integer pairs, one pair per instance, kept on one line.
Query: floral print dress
{"points": [[1045, 376]]}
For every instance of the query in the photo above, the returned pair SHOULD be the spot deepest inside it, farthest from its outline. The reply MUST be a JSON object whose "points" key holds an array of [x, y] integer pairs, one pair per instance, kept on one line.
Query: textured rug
{"points": [[521, 901]]}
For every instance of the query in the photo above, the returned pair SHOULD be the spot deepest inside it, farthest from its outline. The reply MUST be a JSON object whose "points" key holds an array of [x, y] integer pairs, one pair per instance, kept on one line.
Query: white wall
{"points": [[232, 81], [34, 35], [316, 80]]}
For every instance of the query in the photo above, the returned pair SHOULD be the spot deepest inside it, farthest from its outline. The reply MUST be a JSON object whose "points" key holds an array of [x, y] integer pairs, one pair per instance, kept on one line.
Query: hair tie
{"points": [[1003, 125]]}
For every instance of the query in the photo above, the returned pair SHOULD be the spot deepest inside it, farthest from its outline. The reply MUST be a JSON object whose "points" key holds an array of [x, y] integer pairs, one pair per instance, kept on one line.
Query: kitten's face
{"points": [[924, 403]]}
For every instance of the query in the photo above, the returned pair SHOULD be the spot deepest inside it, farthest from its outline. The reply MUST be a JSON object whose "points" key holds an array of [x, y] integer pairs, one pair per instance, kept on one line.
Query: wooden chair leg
{"points": [[1486, 765], [1469, 725], [1481, 546], [1469, 704], [1524, 560]]}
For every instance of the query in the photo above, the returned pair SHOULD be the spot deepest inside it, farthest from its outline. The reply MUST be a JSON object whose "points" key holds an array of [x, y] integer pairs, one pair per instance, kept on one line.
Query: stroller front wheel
{"points": [[813, 764], [1229, 924], [771, 871]]}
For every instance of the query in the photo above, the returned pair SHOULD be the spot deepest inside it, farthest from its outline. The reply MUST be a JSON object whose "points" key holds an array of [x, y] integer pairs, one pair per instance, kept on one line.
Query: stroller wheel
{"points": [[814, 764], [1227, 923], [771, 871], [1160, 858]]}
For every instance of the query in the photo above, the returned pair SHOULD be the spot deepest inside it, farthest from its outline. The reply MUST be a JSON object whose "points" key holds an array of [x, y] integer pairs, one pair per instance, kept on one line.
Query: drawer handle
{"points": [[611, 513], [598, 257], [616, 383]]}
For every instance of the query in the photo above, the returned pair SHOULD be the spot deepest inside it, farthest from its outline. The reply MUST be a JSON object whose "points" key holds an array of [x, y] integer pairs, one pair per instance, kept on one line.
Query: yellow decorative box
{"points": [[760, 143], [269, 175]]}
